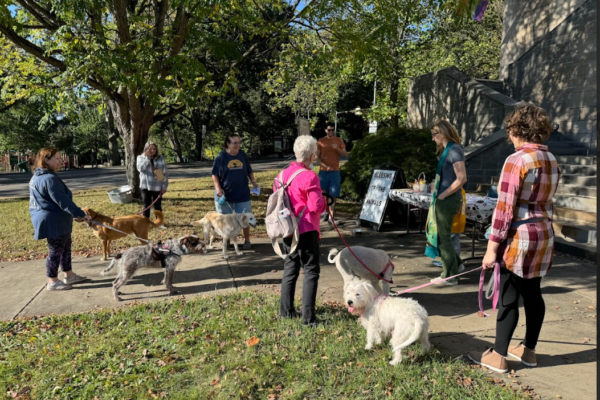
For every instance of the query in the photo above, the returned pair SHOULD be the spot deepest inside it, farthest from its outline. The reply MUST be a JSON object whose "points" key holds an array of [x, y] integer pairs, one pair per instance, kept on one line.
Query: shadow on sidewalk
{"points": [[460, 343]]}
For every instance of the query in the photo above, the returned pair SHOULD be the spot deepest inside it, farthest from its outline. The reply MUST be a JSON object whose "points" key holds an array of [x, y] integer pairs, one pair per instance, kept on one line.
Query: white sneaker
{"points": [[437, 264], [461, 267], [57, 285], [74, 279]]}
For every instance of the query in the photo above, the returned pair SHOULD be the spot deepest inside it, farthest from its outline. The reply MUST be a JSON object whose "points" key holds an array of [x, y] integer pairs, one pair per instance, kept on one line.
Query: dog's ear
{"points": [[244, 218], [369, 287]]}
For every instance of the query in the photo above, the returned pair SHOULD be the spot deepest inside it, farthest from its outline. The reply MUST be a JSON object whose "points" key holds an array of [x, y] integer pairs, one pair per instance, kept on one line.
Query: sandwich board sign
{"points": [[376, 199]]}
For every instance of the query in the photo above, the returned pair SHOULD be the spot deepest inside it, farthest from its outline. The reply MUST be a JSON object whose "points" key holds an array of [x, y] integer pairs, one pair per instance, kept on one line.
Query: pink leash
{"points": [[151, 204], [495, 293]]}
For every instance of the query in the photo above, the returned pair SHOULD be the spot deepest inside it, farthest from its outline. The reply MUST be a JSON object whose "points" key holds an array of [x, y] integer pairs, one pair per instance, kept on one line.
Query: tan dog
{"points": [[131, 224], [228, 226]]}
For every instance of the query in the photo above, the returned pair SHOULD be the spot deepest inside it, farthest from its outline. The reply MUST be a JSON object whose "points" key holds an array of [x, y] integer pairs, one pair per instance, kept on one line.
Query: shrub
{"points": [[410, 149]]}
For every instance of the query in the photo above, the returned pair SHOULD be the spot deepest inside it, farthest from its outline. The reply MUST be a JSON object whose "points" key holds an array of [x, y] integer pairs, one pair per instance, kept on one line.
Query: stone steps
{"points": [[575, 160], [574, 231], [583, 170], [571, 179], [583, 217], [577, 190], [574, 201]]}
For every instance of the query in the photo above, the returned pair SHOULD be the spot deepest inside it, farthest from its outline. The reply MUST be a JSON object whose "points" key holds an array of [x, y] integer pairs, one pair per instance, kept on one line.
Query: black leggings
{"points": [[512, 287], [148, 196]]}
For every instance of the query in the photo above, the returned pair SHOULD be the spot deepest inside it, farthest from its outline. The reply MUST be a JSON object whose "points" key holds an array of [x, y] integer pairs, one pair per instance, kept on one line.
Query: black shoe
{"points": [[292, 315], [324, 217], [315, 324]]}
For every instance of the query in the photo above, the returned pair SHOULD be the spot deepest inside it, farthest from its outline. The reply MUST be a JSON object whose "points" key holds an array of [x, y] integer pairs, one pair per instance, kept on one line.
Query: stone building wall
{"points": [[558, 72], [548, 58], [474, 108]]}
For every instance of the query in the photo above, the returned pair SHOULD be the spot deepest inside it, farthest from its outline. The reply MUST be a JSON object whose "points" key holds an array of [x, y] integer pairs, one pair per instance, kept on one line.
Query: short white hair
{"points": [[304, 147]]}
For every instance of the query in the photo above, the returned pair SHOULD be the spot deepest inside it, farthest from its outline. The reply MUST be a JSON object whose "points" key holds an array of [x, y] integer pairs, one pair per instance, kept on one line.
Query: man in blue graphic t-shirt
{"points": [[230, 174]]}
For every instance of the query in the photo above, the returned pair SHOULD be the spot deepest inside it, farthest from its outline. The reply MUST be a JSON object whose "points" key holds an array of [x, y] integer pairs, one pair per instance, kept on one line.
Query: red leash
{"points": [[151, 204], [389, 264]]}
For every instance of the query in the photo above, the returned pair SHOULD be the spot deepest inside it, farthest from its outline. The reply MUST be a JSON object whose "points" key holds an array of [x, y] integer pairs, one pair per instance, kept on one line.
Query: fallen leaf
{"points": [[215, 381], [253, 341], [586, 339]]}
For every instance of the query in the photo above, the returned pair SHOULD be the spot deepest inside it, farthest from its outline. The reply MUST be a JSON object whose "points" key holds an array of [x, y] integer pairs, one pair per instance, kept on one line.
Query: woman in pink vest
{"points": [[305, 194]]}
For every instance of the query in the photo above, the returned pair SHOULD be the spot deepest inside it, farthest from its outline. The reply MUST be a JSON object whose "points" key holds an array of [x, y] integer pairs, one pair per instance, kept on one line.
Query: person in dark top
{"points": [[230, 174], [52, 211]]}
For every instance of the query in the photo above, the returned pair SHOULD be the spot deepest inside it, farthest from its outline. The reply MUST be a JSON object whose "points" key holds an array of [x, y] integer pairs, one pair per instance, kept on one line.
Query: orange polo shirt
{"points": [[329, 153]]}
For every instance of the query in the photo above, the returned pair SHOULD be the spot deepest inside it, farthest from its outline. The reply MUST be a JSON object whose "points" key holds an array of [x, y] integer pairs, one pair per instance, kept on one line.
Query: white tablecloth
{"points": [[479, 208]]}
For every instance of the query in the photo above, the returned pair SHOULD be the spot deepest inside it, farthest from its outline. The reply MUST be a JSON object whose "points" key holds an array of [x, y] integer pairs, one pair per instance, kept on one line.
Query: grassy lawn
{"points": [[220, 347], [187, 200]]}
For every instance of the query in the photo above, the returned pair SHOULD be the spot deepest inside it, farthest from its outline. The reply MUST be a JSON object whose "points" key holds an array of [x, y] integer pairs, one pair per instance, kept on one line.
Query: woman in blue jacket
{"points": [[52, 211]]}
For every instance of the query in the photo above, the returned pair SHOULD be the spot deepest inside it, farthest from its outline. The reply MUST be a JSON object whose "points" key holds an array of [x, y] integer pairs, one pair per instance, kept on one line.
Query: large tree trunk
{"points": [[133, 119], [174, 141], [113, 145], [197, 127]]}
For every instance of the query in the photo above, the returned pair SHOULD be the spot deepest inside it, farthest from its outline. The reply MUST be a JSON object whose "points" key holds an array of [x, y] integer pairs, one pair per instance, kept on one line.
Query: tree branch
{"points": [[31, 48], [119, 11], [173, 113], [180, 25], [40, 13]]}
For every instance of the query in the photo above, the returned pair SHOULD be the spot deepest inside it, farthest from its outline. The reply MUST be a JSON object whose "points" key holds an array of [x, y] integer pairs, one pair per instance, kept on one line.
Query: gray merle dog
{"points": [[166, 255]]}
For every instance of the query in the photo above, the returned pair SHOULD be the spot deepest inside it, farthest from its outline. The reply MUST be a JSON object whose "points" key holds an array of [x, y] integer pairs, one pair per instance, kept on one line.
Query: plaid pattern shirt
{"points": [[147, 179], [527, 184]]}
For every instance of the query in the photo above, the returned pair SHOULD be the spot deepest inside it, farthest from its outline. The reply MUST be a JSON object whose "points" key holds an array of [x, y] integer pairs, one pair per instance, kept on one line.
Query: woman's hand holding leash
{"points": [[87, 219], [328, 199]]}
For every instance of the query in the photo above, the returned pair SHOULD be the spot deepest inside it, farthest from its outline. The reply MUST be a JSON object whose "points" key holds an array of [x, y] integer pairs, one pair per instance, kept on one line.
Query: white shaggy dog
{"points": [[228, 226], [403, 319], [350, 268]]}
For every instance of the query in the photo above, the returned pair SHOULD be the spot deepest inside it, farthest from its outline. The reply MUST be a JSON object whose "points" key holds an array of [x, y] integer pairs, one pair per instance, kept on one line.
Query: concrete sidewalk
{"points": [[566, 351]]}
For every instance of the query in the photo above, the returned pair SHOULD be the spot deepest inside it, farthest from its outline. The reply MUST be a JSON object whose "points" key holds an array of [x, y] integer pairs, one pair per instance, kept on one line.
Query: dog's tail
{"points": [[159, 220], [111, 265], [416, 334], [200, 222], [332, 255]]}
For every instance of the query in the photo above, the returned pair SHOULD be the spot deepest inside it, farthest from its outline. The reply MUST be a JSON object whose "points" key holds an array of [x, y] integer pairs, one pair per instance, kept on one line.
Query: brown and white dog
{"points": [[131, 224], [166, 255], [228, 226]]}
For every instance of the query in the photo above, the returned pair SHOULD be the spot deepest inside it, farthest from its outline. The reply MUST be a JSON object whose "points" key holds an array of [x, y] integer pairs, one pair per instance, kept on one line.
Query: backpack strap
{"points": [[295, 236], [277, 247], [295, 174], [279, 180]]}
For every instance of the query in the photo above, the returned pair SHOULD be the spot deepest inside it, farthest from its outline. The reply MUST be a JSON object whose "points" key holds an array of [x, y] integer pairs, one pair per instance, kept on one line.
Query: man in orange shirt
{"points": [[330, 148]]}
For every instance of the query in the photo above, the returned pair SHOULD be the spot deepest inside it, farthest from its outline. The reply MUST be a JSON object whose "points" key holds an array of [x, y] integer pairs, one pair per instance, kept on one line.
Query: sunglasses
{"points": [[330, 130]]}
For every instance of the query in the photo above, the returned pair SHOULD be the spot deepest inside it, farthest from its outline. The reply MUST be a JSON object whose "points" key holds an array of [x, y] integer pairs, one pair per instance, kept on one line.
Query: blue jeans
{"points": [[243, 207], [331, 182]]}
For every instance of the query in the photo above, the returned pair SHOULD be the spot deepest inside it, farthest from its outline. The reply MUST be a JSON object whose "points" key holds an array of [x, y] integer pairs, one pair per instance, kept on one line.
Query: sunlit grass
{"points": [[221, 347], [187, 200]]}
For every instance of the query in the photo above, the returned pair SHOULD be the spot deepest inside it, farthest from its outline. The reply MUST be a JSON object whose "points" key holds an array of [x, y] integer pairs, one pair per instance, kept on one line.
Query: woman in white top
{"points": [[154, 178]]}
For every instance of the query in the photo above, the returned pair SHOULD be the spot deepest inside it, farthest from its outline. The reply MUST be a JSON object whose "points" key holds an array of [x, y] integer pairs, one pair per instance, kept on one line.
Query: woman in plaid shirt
{"points": [[522, 239], [152, 184]]}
